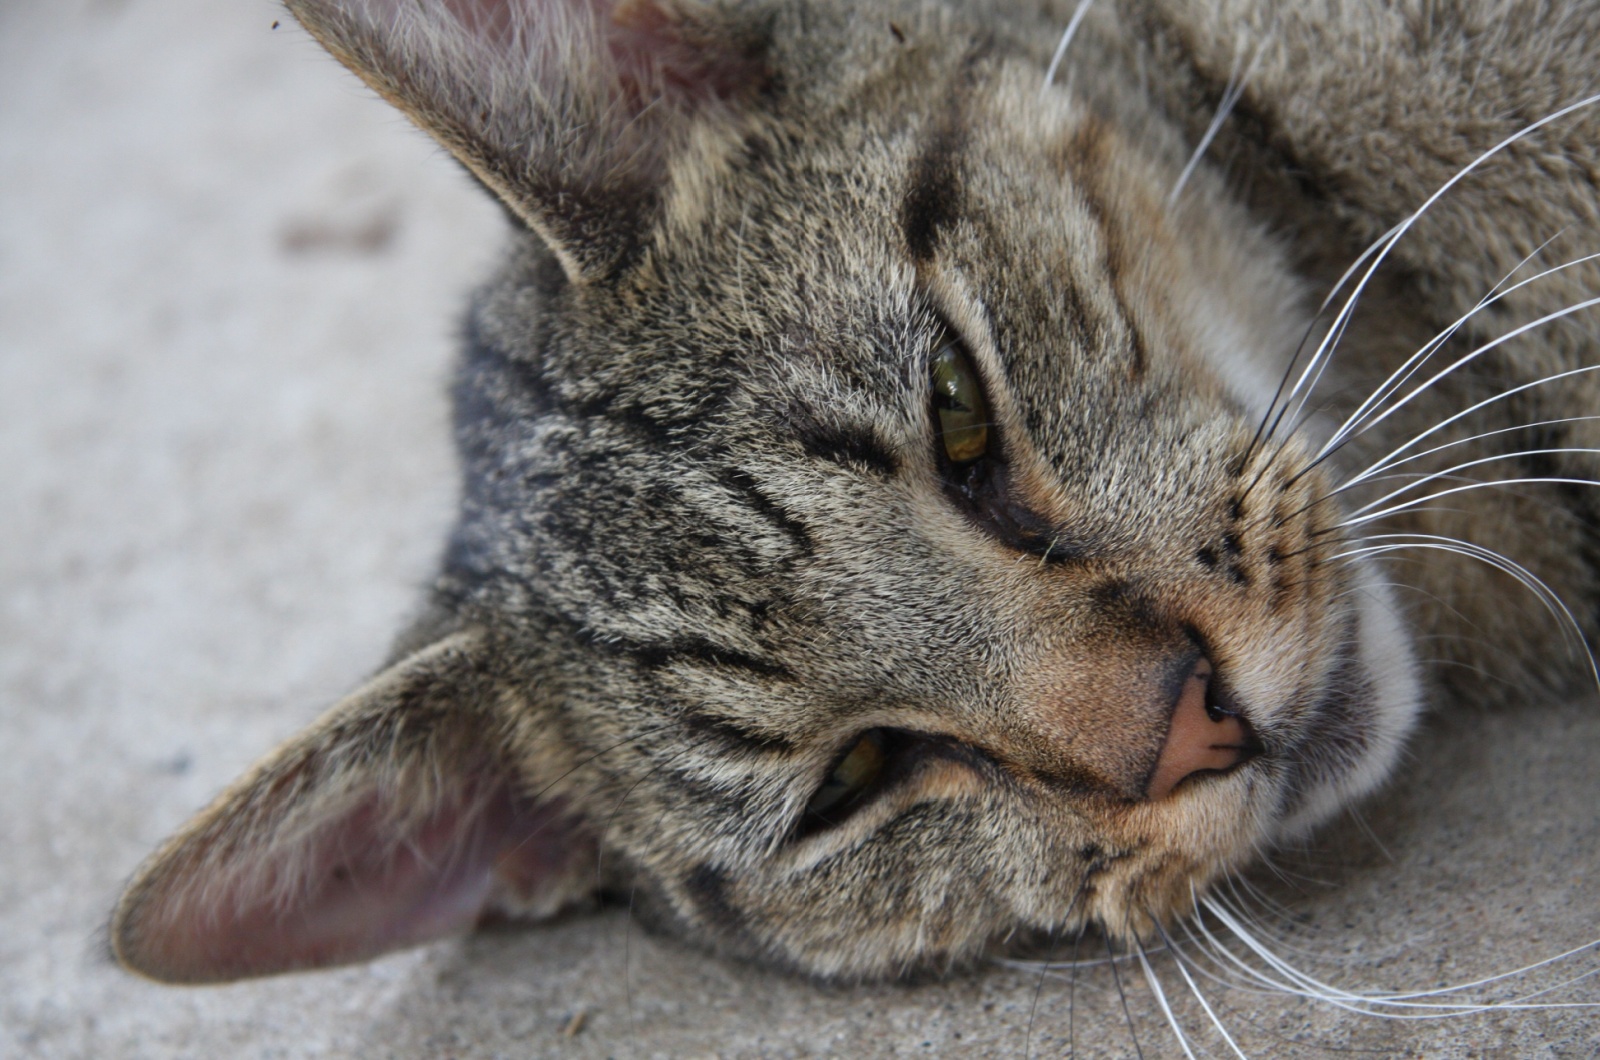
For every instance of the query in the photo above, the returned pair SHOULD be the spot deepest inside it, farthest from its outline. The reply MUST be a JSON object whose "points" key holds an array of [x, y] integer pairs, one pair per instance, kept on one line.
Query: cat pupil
{"points": [[854, 774], [958, 400]]}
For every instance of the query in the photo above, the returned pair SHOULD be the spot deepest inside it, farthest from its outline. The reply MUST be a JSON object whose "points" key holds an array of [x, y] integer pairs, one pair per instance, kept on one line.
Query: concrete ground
{"points": [[228, 280]]}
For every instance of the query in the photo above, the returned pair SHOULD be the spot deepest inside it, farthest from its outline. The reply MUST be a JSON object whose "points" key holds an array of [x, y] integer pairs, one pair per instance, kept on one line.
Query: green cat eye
{"points": [[854, 774], [958, 401]]}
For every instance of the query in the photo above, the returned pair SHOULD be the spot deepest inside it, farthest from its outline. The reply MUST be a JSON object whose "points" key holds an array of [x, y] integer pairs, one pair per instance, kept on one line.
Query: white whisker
{"points": [[1547, 596], [1413, 364], [1066, 40], [1224, 977], [1194, 988], [1161, 1000], [1250, 972], [1411, 1003], [1389, 242], [1231, 94], [1486, 401], [1424, 479], [1355, 266], [1424, 454], [1282, 914], [1271, 906], [1420, 501]]}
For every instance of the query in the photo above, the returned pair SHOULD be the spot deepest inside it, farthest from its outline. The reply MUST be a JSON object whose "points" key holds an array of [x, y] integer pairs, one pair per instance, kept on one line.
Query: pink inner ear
{"points": [[645, 40], [489, 20], [352, 889], [649, 46]]}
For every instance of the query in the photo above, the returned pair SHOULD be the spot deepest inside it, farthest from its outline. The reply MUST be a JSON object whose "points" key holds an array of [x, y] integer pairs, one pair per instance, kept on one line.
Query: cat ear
{"points": [[390, 822], [569, 110]]}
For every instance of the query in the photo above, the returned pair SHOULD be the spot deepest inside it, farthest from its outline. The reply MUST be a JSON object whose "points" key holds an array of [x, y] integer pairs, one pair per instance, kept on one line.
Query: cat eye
{"points": [[974, 466], [958, 403], [879, 761], [851, 777]]}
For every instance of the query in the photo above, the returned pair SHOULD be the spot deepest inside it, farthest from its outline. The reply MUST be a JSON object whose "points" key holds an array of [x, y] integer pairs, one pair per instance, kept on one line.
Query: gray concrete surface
{"points": [[228, 280]]}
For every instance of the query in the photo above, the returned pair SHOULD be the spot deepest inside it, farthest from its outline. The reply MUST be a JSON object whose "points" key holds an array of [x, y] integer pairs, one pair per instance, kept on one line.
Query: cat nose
{"points": [[1201, 737]]}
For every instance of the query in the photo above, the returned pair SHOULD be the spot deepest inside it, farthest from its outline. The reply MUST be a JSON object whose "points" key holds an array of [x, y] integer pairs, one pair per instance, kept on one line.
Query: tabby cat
{"points": [[929, 480]]}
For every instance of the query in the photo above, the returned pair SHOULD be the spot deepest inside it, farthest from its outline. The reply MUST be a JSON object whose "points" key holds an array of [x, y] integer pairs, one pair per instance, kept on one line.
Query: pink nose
{"points": [[1199, 740]]}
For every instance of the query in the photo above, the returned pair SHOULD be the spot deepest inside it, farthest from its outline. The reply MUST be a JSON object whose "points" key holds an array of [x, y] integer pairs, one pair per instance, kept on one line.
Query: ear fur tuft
{"points": [[569, 110], [392, 821]]}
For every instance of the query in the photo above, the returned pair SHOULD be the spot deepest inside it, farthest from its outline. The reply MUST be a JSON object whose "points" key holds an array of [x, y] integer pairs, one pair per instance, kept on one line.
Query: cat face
{"points": [[868, 549]]}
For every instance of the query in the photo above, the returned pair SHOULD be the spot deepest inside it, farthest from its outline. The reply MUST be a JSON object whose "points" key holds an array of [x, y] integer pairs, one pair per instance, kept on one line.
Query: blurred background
{"points": [[229, 286]]}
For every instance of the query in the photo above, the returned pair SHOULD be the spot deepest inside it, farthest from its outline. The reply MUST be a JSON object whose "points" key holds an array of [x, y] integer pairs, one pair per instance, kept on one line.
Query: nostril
{"points": [[1202, 737]]}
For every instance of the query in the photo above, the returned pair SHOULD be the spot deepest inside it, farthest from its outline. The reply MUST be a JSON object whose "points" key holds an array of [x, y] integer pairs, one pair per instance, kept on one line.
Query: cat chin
{"points": [[1393, 699]]}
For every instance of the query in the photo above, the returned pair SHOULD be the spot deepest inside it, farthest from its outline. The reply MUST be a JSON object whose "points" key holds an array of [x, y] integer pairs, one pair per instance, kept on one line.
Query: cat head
{"points": [[868, 549]]}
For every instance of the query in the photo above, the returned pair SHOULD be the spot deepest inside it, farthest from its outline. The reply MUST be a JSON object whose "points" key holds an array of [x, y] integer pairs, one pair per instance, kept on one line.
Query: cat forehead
{"points": [[824, 247], [796, 318], [788, 299]]}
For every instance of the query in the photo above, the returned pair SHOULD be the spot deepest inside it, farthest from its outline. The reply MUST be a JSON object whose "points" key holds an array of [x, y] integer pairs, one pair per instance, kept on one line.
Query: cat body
{"points": [[907, 505]]}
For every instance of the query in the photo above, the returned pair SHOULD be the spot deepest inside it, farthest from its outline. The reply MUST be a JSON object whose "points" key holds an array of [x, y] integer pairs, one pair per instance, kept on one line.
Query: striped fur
{"points": [[706, 539]]}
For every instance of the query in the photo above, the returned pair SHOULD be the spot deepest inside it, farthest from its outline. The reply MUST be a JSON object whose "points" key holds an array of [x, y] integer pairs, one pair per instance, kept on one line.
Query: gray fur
{"points": [[705, 539]]}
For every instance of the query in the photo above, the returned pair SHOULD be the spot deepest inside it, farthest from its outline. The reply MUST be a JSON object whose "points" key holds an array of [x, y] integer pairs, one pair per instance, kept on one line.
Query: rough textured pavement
{"points": [[228, 283]]}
